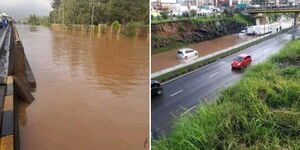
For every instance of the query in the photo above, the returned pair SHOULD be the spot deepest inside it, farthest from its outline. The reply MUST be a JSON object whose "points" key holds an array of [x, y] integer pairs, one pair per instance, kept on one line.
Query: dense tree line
{"points": [[35, 20], [99, 11]]}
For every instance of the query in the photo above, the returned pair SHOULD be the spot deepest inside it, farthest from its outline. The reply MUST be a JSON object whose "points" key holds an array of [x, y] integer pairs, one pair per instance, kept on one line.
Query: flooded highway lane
{"points": [[168, 59], [92, 91]]}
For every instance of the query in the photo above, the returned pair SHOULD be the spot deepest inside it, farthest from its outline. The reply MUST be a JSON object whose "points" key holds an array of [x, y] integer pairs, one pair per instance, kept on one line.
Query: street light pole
{"points": [[92, 22]]}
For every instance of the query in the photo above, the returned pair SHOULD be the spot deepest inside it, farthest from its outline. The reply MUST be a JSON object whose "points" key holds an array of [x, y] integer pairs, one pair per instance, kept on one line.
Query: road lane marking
{"points": [[176, 93], [187, 111], [188, 73], [214, 74], [229, 84]]}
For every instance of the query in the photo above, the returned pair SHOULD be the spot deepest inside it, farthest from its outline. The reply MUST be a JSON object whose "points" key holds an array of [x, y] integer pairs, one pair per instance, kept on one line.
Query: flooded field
{"points": [[168, 59], [92, 91]]}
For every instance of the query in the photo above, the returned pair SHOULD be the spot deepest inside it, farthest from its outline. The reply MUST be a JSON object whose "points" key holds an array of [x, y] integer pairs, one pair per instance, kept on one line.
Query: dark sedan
{"points": [[156, 88]]}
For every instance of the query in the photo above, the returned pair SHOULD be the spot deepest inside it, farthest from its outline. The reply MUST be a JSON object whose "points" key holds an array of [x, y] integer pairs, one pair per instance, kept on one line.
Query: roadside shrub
{"points": [[164, 14], [186, 14], [130, 29], [103, 28], [115, 26], [181, 29], [154, 38], [193, 13]]}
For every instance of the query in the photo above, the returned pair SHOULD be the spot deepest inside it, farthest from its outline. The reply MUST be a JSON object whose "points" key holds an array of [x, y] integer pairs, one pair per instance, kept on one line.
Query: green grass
{"points": [[261, 111], [178, 72], [240, 18]]}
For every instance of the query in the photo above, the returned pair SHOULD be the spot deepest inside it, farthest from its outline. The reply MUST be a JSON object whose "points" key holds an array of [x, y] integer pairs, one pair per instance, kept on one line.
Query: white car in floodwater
{"points": [[243, 32], [187, 53]]}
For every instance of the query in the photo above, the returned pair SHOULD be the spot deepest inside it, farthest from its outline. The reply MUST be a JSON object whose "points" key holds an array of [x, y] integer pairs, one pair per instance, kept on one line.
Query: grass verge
{"points": [[181, 71], [261, 111]]}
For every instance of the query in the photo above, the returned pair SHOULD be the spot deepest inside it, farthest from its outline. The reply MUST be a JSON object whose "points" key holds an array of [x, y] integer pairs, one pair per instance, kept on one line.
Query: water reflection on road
{"points": [[92, 91]]}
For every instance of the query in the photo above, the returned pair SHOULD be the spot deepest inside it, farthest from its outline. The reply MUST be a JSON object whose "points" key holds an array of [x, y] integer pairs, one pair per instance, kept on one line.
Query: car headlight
{"points": [[239, 64]]}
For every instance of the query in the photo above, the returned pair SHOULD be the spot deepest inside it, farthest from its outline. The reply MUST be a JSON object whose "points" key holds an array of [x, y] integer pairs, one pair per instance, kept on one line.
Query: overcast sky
{"points": [[23, 8]]}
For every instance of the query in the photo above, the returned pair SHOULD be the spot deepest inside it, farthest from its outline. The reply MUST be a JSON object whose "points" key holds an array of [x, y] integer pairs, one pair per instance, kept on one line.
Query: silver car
{"points": [[187, 53]]}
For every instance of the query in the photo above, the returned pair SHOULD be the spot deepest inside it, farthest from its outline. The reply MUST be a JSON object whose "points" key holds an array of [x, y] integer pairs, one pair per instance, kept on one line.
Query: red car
{"points": [[241, 61]]}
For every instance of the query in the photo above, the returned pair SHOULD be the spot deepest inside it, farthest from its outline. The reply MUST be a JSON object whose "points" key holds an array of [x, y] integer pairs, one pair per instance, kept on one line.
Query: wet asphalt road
{"points": [[1, 32], [182, 94]]}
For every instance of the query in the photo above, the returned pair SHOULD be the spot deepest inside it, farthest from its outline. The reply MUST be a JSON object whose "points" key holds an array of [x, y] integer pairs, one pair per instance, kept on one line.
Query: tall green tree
{"points": [[99, 11]]}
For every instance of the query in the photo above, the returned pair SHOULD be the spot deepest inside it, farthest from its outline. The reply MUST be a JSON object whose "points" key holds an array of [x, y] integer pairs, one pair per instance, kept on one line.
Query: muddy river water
{"points": [[168, 59], [92, 91]]}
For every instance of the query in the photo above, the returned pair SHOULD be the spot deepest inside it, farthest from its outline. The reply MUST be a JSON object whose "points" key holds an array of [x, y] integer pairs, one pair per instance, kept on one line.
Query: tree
{"points": [[193, 13], [56, 4], [164, 14], [186, 14], [99, 11]]}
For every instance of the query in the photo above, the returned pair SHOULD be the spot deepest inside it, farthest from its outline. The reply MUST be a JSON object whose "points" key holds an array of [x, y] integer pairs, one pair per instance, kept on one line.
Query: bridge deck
{"points": [[293, 10]]}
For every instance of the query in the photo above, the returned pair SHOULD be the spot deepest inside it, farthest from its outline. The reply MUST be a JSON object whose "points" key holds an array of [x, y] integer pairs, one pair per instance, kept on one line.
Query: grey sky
{"points": [[23, 8]]}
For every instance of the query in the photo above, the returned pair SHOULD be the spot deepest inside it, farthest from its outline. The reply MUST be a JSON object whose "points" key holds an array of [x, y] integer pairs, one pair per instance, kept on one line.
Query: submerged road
{"points": [[183, 94]]}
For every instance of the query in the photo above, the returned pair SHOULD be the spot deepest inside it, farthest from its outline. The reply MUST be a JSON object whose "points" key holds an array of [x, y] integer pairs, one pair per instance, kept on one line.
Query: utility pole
{"points": [[63, 15], [92, 22]]}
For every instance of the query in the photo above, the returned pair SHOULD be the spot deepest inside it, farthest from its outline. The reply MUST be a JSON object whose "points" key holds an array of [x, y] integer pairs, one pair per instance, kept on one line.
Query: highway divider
{"points": [[175, 71]]}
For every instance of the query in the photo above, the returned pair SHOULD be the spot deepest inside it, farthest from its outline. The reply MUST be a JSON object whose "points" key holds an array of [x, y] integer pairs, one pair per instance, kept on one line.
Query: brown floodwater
{"points": [[92, 91], [168, 59]]}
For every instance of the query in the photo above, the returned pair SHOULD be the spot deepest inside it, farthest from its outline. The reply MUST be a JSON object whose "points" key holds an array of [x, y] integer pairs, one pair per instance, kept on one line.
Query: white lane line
{"points": [[194, 71], [176, 93], [187, 111], [229, 84], [214, 74]]}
